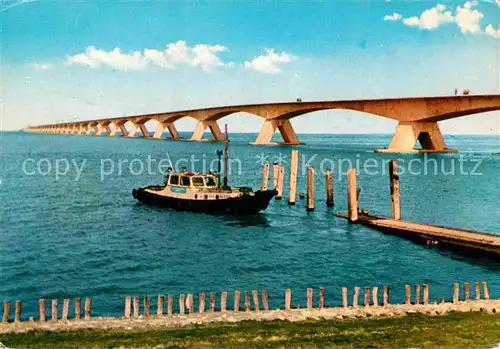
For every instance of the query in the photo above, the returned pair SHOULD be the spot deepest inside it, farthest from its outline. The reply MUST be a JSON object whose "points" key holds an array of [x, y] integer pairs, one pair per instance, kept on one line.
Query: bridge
{"points": [[417, 117]]}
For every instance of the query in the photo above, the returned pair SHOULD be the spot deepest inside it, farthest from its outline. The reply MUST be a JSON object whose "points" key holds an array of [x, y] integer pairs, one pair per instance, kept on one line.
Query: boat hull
{"points": [[242, 205]]}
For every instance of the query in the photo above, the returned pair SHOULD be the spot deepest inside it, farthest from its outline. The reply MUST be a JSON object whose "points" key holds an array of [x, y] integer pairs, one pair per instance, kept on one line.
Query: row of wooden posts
{"points": [[278, 177], [187, 306]]}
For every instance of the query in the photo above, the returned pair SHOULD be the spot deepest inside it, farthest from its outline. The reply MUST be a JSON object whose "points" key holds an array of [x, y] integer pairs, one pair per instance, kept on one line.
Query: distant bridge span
{"points": [[417, 116]]}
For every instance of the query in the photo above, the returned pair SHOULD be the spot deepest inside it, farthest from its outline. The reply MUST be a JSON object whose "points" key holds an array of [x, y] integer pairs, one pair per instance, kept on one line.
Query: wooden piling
{"points": [[310, 189], [223, 302], [486, 292], [281, 182], [182, 304], [201, 303], [442, 300], [466, 291], [426, 293], [212, 302], [54, 310], [477, 291], [147, 306], [6, 311], [329, 188], [408, 294], [159, 305], [417, 293], [456, 294], [321, 297], [65, 311], [367, 297], [237, 296], [345, 302], [352, 196], [310, 298], [255, 296], [288, 299], [128, 303], [265, 300], [18, 311], [136, 306], [275, 175], [78, 308], [395, 196], [170, 305], [88, 308], [247, 301], [294, 164], [375, 296], [265, 177], [385, 300], [355, 297], [190, 303], [41, 310]]}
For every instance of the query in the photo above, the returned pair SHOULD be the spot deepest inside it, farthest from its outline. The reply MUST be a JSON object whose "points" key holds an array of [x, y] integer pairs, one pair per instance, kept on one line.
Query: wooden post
{"points": [[78, 308], [170, 305], [223, 302], [201, 303], [65, 309], [408, 294], [41, 310], [309, 299], [385, 299], [426, 293], [355, 298], [367, 297], [255, 296], [321, 297], [136, 306], [54, 310], [394, 180], [88, 308], [329, 188], [212, 301], [265, 177], [281, 182], [466, 291], [486, 292], [288, 299], [442, 300], [18, 311], [6, 311], [265, 300], [147, 306], [159, 305], [275, 175], [128, 304], [310, 189], [345, 302], [477, 290], [190, 303], [294, 164], [352, 196], [375, 296], [417, 293], [247, 301], [456, 290], [237, 296], [182, 304]]}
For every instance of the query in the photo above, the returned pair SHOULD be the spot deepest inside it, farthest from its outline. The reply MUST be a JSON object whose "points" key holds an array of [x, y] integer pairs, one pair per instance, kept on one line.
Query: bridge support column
{"points": [[104, 128], [269, 128], [144, 130], [202, 126], [408, 133], [171, 129]]}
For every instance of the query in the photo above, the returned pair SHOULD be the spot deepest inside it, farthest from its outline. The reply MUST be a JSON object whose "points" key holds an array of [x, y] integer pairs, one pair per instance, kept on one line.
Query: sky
{"points": [[87, 59]]}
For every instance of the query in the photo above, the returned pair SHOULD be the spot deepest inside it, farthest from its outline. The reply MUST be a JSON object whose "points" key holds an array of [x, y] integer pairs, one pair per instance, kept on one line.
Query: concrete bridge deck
{"points": [[417, 117]]}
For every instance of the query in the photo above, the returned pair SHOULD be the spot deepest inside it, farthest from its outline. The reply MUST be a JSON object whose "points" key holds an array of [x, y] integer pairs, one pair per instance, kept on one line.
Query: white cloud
{"points": [[411, 22], [489, 30], [468, 19], [178, 53], [41, 66], [431, 18], [269, 62], [394, 17]]}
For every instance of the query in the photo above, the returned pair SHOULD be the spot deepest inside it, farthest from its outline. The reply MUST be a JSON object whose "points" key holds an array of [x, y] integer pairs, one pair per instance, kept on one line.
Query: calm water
{"points": [[62, 237]]}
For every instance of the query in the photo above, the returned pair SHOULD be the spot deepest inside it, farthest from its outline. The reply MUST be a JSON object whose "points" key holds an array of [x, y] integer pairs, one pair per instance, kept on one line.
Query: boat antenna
{"points": [[226, 146], [219, 162]]}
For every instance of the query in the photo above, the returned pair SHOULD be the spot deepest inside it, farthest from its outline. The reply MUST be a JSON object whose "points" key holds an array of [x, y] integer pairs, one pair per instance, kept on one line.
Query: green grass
{"points": [[455, 330]]}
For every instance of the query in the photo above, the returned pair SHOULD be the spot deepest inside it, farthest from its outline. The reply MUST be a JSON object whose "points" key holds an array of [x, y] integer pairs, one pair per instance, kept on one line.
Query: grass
{"points": [[455, 330]]}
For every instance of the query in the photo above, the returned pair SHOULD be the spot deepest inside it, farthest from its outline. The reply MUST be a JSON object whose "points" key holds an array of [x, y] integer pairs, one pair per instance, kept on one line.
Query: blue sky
{"points": [[65, 60]]}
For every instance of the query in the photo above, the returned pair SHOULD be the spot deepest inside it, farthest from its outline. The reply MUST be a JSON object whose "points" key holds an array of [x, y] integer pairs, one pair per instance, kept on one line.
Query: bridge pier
{"points": [[269, 128], [144, 130], [408, 133], [202, 126], [166, 125]]}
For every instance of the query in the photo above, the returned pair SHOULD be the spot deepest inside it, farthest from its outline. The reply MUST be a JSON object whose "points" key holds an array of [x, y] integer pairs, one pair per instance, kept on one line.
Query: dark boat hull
{"points": [[243, 205]]}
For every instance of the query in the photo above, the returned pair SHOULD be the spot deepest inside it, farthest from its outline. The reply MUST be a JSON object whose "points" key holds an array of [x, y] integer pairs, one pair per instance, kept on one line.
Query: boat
{"points": [[204, 192]]}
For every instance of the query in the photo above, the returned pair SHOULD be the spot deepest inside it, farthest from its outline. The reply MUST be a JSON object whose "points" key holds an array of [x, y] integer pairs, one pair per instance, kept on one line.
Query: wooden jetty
{"points": [[484, 243]]}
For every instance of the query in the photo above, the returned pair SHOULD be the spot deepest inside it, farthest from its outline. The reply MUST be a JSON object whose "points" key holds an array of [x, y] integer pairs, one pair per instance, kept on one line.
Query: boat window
{"points": [[210, 181], [198, 181], [174, 180], [185, 181]]}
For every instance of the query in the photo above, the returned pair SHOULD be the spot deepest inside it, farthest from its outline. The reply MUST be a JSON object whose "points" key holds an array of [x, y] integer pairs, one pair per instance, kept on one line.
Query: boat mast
{"points": [[226, 146]]}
